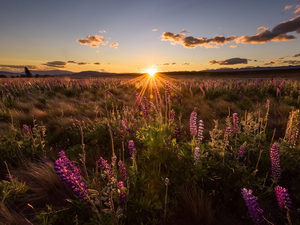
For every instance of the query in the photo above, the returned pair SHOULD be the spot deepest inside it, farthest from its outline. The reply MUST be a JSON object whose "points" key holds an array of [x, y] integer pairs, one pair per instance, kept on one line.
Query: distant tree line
{"points": [[27, 74]]}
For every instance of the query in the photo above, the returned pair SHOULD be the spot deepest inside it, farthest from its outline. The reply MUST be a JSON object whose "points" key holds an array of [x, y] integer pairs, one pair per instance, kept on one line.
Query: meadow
{"points": [[149, 151]]}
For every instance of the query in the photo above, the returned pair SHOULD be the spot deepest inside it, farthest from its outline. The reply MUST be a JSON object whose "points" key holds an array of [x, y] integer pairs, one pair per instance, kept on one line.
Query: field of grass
{"points": [[149, 151]]}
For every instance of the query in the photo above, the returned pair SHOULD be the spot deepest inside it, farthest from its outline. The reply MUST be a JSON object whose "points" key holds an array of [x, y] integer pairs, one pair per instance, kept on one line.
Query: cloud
{"points": [[71, 62], [297, 55], [154, 29], [96, 63], [184, 31], [114, 45], [297, 11], [93, 41], [192, 42], [262, 28], [292, 62], [231, 61], [19, 66], [185, 64], [271, 62], [173, 63], [166, 64], [286, 8], [102, 31], [233, 46], [57, 64], [82, 63]]}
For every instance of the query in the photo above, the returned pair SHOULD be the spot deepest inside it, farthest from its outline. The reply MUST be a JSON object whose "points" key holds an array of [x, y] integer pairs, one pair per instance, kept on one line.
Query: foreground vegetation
{"points": [[163, 151]]}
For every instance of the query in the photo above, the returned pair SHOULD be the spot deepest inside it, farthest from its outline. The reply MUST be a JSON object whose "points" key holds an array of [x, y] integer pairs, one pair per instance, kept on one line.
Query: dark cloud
{"points": [[19, 66], [173, 63], [231, 61], [291, 62], [185, 64], [166, 64], [57, 64], [93, 41], [71, 62], [192, 42], [297, 55], [82, 63], [96, 63]]}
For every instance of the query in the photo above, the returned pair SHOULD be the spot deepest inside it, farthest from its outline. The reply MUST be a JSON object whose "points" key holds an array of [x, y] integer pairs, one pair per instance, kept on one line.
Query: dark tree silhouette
{"points": [[27, 72]]}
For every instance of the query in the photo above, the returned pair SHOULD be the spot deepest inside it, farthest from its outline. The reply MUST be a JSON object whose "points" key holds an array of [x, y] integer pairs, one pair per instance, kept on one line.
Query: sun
{"points": [[151, 72]]}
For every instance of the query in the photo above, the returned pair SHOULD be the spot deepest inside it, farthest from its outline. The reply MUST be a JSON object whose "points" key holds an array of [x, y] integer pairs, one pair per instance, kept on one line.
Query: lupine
{"points": [[241, 151], [167, 181], [283, 198], [70, 165], [146, 110], [168, 91], [203, 92], [131, 147], [122, 192], [228, 131], [200, 132], [253, 207], [124, 124], [172, 115], [138, 102], [235, 122], [267, 103], [193, 123], [123, 171], [26, 129], [196, 155], [75, 182], [275, 161], [102, 164], [177, 134]]}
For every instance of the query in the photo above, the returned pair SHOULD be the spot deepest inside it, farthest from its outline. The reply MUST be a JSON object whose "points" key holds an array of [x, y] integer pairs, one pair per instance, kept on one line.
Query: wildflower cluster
{"points": [[283, 198], [253, 207], [275, 161], [193, 123]]}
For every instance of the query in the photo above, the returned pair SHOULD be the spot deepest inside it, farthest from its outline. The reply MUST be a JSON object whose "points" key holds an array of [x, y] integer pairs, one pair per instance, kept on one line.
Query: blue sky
{"points": [[133, 35]]}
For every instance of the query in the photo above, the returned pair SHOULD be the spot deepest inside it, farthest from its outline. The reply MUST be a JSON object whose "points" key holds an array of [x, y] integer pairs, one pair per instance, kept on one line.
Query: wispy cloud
{"points": [[286, 8], [231, 61], [97, 63], [115, 45], [56, 64], [297, 11], [93, 41], [82, 63], [102, 31], [19, 66], [233, 46], [185, 64], [154, 29], [71, 62]]}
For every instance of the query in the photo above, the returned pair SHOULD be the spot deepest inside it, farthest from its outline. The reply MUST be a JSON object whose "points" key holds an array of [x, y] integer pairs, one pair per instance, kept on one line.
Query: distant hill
{"points": [[40, 72]]}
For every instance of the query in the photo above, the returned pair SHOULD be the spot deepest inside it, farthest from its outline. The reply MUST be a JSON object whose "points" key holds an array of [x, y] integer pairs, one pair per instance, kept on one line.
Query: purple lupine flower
{"points": [[275, 161], [102, 164], [138, 102], [9, 177], [196, 155], [200, 131], [73, 181], [193, 123], [167, 181], [235, 122], [267, 103], [172, 115], [122, 192], [253, 207], [26, 129], [123, 171], [242, 150], [146, 110], [177, 134], [124, 124], [131, 147], [71, 166], [228, 131], [283, 198], [168, 91]]}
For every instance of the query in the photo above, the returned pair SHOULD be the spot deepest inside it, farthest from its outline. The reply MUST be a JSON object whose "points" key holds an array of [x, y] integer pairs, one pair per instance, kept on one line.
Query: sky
{"points": [[135, 35]]}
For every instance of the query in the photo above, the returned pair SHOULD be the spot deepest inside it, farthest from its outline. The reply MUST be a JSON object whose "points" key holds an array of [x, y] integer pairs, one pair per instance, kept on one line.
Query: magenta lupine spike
{"points": [[122, 193], [123, 171], [131, 147], [177, 134], [193, 123], [241, 151], [26, 129], [71, 166], [138, 102], [200, 131], [196, 155], [283, 198], [228, 131], [275, 161], [172, 115], [235, 119], [253, 207], [146, 110], [167, 181], [73, 181], [124, 124]]}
